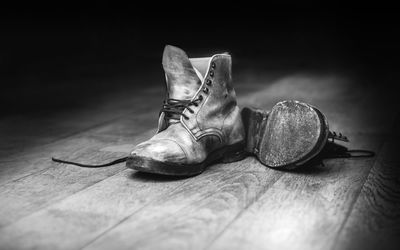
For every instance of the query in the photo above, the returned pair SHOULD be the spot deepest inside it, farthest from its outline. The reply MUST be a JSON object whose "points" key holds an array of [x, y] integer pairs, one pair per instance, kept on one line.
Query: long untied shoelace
{"points": [[117, 161], [356, 153], [173, 109], [333, 150], [352, 153]]}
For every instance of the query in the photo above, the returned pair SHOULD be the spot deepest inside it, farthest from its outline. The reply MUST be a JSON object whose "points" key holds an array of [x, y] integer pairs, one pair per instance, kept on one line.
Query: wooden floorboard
{"points": [[25, 164], [100, 207], [18, 164], [121, 119], [302, 210], [307, 211], [188, 225], [374, 222], [22, 133], [57, 181], [30, 181], [191, 215], [77, 219], [240, 205], [30, 192]]}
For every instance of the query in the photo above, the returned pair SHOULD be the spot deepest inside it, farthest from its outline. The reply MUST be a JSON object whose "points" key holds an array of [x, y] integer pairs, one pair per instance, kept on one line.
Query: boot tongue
{"points": [[182, 80]]}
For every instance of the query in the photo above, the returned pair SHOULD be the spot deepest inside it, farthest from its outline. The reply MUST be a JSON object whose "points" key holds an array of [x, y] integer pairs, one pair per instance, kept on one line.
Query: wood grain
{"points": [[72, 222], [120, 118], [242, 205], [189, 226], [132, 122], [30, 181], [190, 216], [307, 213], [20, 134], [69, 182], [56, 181], [374, 222], [302, 210]]}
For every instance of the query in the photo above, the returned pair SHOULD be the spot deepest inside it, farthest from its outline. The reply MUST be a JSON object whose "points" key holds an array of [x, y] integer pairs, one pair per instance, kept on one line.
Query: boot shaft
{"points": [[181, 77], [208, 80], [218, 100]]}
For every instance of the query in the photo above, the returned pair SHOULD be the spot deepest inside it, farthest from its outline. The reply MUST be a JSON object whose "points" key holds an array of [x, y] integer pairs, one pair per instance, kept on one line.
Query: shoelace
{"points": [[355, 153], [333, 150], [358, 153], [176, 107], [120, 160], [173, 108]]}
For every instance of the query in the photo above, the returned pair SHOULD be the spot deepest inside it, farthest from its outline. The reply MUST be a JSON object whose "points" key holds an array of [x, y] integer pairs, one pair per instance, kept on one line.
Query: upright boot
{"points": [[199, 123], [291, 134]]}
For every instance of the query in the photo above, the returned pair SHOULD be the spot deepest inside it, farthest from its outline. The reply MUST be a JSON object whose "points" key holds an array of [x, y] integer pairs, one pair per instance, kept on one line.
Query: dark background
{"points": [[57, 58]]}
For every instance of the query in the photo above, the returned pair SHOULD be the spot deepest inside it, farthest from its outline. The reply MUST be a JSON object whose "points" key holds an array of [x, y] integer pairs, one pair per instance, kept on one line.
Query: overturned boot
{"points": [[292, 134], [200, 122]]}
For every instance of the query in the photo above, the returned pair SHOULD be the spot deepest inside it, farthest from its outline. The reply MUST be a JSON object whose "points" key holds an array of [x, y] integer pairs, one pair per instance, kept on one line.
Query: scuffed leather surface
{"points": [[215, 123], [176, 145], [182, 80], [162, 149], [218, 113]]}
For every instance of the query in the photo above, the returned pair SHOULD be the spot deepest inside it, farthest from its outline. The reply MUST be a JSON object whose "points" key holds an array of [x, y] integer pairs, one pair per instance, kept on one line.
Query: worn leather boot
{"points": [[291, 134], [199, 123]]}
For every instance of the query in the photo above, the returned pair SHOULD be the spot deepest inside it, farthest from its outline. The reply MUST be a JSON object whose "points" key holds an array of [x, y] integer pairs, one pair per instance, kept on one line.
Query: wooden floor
{"points": [[340, 204]]}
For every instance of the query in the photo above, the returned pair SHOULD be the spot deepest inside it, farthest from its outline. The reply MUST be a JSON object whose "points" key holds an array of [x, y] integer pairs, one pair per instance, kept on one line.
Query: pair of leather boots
{"points": [[200, 123]]}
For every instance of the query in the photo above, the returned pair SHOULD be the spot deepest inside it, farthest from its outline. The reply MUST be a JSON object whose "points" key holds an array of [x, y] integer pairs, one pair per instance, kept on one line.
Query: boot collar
{"points": [[208, 69], [203, 66]]}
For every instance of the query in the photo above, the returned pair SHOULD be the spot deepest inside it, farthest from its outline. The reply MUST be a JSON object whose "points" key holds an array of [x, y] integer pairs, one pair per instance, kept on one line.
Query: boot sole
{"points": [[288, 136], [231, 153]]}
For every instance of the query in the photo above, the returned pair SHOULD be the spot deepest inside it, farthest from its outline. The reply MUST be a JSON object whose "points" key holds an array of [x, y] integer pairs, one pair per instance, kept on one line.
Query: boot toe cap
{"points": [[164, 150]]}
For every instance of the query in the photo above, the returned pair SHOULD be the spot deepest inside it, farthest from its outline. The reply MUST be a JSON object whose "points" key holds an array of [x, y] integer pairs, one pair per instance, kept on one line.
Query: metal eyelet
{"points": [[211, 73], [200, 97], [213, 65], [208, 82], [205, 90]]}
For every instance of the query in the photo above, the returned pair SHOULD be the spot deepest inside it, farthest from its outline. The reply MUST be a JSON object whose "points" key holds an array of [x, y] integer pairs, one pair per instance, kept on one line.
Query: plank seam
{"points": [[350, 210], [54, 201], [135, 212], [218, 235], [60, 140]]}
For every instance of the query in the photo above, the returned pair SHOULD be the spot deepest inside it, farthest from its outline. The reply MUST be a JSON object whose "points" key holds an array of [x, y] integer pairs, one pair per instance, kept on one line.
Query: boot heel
{"points": [[234, 155], [254, 121]]}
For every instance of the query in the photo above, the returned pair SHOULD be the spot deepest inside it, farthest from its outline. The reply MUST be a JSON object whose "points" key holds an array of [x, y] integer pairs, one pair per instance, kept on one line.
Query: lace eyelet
{"points": [[213, 65], [211, 73], [200, 97], [205, 90], [208, 82]]}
